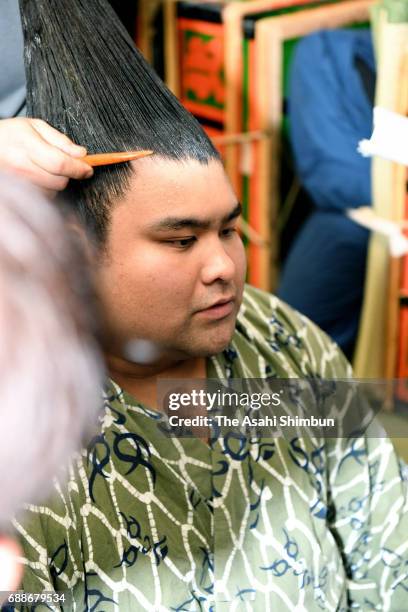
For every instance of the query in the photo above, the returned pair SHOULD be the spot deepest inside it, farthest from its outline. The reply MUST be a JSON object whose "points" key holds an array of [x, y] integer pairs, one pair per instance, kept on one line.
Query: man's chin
{"points": [[213, 344]]}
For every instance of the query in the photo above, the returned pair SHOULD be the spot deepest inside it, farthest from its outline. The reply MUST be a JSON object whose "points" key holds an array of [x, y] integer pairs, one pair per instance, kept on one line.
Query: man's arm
{"points": [[50, 541], [36, 574], [368, 516], [367, 487], [367, 499]]}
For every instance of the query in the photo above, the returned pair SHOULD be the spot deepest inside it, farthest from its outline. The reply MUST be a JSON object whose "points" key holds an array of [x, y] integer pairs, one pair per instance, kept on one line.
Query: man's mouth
{"points": [[220, 309]]}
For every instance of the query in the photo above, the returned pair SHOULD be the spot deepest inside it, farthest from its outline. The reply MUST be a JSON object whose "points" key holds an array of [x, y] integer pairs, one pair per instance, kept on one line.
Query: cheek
{"points": [[238, 256], [155, 276], [158, 272]]}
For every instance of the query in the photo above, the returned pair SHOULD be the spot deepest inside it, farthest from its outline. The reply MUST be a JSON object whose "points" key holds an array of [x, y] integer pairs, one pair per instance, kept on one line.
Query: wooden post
{"points": [[399, 180], [171, 47], [376, 344], [147, 10]]}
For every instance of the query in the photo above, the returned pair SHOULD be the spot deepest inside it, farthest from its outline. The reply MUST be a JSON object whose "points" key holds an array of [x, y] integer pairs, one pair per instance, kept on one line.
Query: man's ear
{"points": [[11, 568]]}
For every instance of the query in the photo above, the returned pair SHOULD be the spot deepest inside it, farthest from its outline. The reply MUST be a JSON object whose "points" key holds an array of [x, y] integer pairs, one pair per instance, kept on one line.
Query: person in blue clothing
{"points": [[330, 108]]}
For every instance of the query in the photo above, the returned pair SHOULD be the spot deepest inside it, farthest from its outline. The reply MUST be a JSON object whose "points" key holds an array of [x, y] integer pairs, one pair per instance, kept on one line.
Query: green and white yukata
{"points": [[148, 522]]}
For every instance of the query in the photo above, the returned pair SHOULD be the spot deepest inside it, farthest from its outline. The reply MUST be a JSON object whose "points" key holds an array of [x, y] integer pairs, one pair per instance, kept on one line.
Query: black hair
{"points": [[86, 78]]}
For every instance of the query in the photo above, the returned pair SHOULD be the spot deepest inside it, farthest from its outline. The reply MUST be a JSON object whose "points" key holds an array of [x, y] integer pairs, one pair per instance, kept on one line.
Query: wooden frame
{"points": [[271, 33], [233, 14], [377, 344]]}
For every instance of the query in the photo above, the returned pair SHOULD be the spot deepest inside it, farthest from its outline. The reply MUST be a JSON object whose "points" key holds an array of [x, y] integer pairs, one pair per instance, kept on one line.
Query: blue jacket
{"points": [[330, 113]]}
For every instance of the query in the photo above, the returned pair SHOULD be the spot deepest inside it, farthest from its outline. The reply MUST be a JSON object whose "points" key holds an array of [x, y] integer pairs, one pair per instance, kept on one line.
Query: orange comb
{"points": [[104, 159]]}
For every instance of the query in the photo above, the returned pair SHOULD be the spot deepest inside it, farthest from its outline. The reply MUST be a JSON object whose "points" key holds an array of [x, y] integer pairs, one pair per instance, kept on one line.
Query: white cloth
{"points": [[389, 139]]}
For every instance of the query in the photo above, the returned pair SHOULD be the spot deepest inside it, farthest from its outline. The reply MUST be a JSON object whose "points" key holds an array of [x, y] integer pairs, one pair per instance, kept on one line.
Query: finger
{"points": [[56, 162], [57, 138], [41, 178]]}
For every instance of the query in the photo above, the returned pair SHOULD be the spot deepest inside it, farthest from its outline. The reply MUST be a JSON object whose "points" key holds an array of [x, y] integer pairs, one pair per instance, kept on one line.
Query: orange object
{"points": [[202, 88], [402, 367], [104, 159]]}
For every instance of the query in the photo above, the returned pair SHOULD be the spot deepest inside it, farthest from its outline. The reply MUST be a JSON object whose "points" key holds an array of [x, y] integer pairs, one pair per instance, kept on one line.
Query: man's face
{"points": [[174, 268]]}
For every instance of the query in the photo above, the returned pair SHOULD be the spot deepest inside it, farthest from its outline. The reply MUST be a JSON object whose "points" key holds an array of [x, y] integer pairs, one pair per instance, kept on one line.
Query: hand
{"points": [[40, 153]]}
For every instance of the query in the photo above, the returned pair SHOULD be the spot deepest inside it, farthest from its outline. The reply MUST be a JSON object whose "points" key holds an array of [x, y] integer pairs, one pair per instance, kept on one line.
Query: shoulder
{"points": [[287, 338]]}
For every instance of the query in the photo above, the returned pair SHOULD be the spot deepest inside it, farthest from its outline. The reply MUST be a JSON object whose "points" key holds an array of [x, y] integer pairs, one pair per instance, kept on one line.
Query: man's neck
{"points": [[141, 380]]}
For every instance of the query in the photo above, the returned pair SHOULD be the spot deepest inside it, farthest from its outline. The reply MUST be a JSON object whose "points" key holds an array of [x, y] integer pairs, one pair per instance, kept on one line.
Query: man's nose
{"points": [[218, 264]]}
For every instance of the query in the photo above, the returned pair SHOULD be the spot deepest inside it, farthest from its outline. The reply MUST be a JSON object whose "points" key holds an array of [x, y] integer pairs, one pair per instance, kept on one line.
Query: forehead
{"points": [[159, 188]]}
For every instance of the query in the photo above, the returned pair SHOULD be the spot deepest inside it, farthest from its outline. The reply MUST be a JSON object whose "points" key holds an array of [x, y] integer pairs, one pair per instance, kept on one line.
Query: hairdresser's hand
{"points": [[42, 154]]}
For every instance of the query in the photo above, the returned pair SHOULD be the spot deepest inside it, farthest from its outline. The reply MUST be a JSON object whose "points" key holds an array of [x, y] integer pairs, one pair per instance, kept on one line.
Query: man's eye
{"points": [[182, 243], [230, 231]]}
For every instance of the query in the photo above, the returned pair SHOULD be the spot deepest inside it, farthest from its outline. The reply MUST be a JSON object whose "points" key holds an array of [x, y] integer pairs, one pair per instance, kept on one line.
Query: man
{"points": [[149, 522], [320, 105], [49, 360]]}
